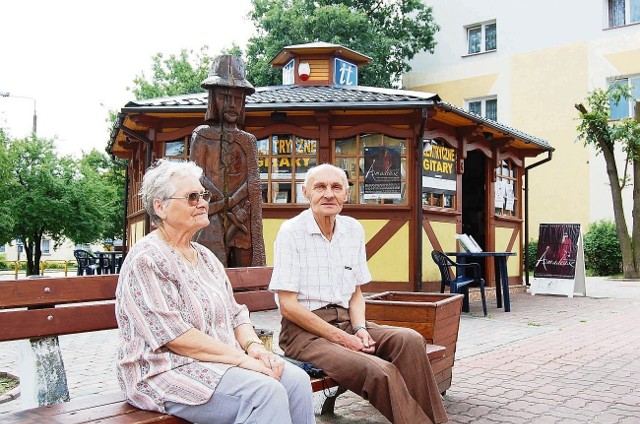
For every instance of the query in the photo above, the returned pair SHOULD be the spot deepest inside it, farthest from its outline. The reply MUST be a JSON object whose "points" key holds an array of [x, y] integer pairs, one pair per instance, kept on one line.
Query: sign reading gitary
{"points": [[438, 169]]}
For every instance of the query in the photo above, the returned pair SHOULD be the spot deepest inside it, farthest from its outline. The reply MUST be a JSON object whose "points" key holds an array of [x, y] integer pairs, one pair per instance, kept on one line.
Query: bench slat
{"points": [[249, 278], [31, 323], [46, 291]]}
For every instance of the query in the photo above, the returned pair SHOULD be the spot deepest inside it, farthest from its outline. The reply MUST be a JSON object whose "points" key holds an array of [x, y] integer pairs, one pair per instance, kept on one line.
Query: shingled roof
{"points": [[292, 97], [288, 97]]}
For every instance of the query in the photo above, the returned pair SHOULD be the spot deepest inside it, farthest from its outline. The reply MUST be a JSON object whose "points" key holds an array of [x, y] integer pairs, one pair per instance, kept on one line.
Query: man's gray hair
{"points": [[157, 183], [311, 172]]}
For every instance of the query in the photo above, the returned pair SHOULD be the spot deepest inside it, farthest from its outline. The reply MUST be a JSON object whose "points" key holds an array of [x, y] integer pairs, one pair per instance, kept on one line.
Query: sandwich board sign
{"points": [[559, 266]]}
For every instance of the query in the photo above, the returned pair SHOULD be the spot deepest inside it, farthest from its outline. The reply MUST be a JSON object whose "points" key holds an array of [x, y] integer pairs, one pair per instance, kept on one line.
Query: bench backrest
{"points": [[69, 305]]}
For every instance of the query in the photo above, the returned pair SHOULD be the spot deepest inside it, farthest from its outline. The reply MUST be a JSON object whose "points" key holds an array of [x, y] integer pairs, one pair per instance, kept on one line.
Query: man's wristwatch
{"points": [[358, 328]]}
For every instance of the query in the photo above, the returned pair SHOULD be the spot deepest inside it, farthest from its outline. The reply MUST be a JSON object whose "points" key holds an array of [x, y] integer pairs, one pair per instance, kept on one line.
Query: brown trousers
{"points": [[397, 380]]}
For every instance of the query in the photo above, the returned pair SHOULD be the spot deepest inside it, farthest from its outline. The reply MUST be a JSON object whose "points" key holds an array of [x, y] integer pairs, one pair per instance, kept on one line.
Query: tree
{"points": [[392, 32], [614, 139], [178, 74], [47, 195]]}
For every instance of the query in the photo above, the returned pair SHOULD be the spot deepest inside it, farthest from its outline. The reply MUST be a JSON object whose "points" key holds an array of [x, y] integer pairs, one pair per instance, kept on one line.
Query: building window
{"points": [[177, 150], [487, 108], [482, 38], [625, 108], [366, 155], [3, 248], [623, 12], [505, 191], [45, 246], [283, 160]]}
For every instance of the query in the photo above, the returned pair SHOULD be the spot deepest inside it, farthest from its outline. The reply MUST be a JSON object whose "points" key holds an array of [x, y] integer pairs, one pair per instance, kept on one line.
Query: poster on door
{"points": [[559, 261]]}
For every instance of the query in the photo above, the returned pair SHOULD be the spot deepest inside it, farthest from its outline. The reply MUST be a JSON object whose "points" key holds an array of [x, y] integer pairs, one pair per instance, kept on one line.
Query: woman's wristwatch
{"points": [[249, 343]]}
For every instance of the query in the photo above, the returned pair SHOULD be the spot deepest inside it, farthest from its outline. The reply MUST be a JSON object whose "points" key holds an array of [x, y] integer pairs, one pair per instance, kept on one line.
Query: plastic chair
{"points": [[461, 282], [87, 263]]}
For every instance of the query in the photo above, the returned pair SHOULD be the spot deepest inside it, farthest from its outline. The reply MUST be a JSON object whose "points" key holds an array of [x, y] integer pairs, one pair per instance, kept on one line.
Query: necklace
{"points": [[193, 262]]}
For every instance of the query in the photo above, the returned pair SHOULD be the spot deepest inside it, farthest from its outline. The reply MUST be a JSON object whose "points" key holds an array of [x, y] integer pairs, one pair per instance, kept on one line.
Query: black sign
{"points": [[557, 251], [382, 173]]}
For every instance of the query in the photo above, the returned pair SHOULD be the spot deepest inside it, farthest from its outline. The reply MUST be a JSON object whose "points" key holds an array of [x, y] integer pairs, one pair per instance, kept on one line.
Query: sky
{"points": [[72, 61]]}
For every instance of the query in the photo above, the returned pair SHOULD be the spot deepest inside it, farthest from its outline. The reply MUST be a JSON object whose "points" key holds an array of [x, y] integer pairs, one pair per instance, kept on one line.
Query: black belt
{"points": [[331, 306]]}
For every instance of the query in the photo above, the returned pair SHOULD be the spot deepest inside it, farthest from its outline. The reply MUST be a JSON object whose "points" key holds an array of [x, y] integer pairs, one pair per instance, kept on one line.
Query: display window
{"points": [[439, 174], [505, 189], [283, 161], [376, 168]]}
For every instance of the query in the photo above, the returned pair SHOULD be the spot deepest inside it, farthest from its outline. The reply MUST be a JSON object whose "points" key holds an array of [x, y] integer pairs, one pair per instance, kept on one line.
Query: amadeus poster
{"points": [[557, 251], [382, 173]]}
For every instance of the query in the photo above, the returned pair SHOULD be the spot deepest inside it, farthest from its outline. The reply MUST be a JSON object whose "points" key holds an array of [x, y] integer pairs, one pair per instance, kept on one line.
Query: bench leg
{"points": [[329, 404]]}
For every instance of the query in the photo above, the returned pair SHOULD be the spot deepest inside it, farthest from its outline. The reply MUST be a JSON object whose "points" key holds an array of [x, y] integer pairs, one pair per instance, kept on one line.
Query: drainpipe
{"points": [[419, 147], [526, 213]]}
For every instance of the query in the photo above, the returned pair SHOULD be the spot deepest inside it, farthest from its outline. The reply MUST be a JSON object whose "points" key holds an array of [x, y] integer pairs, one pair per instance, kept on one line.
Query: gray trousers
{"points": [[245, 396]]}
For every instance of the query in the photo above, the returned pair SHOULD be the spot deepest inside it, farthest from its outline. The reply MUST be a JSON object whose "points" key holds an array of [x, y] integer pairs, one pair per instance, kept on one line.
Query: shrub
{"points": [[602, 252], [533, 249]]}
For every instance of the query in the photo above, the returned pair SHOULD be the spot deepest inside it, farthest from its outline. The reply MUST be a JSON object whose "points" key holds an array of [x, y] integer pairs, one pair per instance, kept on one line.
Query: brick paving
{"points": [[552, 359]]}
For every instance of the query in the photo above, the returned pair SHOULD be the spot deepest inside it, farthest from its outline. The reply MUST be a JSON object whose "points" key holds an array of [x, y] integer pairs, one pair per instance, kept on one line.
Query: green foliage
{"points": [[596, 129], [175, 75], [602, 249], [57, 197], [533, 249], [390, 32]]}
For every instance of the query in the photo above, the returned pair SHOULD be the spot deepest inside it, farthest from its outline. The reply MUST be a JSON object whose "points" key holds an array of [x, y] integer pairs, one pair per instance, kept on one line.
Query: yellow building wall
{"points": [[503, 235], [446, 234], [270, 228], [543, 101], [391, 262], [459, 90], [626, 63]]}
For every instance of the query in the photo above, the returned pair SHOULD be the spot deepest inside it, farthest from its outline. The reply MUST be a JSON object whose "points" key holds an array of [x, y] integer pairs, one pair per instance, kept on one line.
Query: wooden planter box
{"points": [[434, 315]]}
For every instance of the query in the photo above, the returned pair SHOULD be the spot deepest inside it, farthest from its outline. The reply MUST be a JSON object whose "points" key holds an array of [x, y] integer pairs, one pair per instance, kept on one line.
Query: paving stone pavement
{"points": [[552, 359]]}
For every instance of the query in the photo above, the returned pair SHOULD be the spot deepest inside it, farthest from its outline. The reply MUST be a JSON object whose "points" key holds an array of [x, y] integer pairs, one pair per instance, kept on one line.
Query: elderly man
{"points": [[319, 267]]}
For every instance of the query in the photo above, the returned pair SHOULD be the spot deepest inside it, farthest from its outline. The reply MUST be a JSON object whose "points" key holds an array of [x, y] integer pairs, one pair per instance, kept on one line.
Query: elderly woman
{"points": [[186, 347]]}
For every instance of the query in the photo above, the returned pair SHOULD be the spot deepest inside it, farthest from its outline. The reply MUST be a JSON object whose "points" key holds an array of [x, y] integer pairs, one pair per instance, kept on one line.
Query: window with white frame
{"points": [[623, 12], [45, 246], [2, 248], [482, 38], [486, 107], [625, 108]]}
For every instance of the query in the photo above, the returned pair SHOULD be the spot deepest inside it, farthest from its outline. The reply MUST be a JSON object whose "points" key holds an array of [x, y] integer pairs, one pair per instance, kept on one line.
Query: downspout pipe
{"points": [[419, 147], [526, 212]]}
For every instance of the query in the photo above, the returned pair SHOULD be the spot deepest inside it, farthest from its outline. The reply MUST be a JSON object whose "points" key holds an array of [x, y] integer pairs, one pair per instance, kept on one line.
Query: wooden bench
{"points": [[71, 305]]}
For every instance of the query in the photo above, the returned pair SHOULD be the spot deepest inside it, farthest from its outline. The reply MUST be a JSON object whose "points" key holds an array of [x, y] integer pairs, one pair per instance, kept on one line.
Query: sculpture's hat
{"points": [[227, 71]]}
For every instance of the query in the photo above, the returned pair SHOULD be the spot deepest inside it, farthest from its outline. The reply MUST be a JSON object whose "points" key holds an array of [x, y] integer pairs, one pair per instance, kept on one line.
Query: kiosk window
{"points": [[505, 190], [376, 168], [177, 150], [439, 175], [283, 160]]}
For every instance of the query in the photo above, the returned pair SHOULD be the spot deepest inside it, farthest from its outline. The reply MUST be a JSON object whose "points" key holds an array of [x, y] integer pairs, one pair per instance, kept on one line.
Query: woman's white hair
{"points": [[157, 182], [311, 172]]}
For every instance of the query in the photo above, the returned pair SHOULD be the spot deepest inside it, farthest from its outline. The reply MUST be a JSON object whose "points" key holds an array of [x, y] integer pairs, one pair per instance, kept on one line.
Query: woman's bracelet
{"points": [[358, 328], [249, 343]]}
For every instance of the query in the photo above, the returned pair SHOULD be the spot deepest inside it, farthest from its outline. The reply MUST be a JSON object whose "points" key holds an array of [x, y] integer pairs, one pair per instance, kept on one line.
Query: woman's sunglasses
{"points": [[194, 197]]}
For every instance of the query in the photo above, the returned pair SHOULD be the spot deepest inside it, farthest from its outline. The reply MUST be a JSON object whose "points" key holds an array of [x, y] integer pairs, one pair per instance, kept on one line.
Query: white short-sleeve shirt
{"points": [[321, 271]]}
